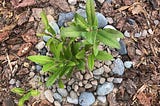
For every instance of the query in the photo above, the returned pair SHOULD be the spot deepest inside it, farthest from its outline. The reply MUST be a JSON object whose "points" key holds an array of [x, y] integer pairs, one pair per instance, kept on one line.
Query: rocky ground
{"points": [[132, 78]]}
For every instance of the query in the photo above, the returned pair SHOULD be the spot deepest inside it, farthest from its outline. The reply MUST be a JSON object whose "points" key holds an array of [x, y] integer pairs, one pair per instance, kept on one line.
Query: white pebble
{"points": [[150, 31]]}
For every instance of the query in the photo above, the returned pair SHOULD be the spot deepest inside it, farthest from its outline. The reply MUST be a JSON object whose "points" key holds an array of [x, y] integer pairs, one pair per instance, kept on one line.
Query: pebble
{"points": [[98, 71], [43, 51], [71, 81], [54, 26], [56, 103], [62, 92], [18, 83], [138, 52], [65, 17], [80, 84], [126, 34], [86, 99], [76, 88], [117, 80], [49, 96], [88, 76], [72, 100], [110, 79], [156, 22], [102, 21], [144, 33], [102, 99], [110, 26], [109, 1], [73, 95], [25, 64], [58, 97], [108, 62], [94, 82], [81, 12], [118, 67], [38, 67], [87, 86], [102, 80], [105, 88], [110, 20], [131, 21], [128, 64], [31, 74], [46, 38], [79, 75], [101, 1], [72, 2], [12, 81], [106, 69], [150, 31], [122, 50], [40, 45], [69, 88], [137, 34]]}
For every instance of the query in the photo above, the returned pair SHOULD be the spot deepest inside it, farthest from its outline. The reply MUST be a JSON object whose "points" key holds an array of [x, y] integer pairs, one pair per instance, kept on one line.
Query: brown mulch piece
{"points": [[24, 49]]}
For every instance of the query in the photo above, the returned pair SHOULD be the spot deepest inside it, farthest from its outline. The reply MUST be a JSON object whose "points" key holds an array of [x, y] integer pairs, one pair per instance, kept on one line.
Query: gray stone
{"points": [[110, 20], [144, 33], [56, 103], [109, 1], [72, 100], [57, 97], [49, 96], [38, 68], [94, 82], [82, 12], [98, 71], [73, 95], [54, 26], [156, 22], [128, 64], [69, 88], [46, 38], [102, 80], [131, 21], [105, 88], [110, 79], [137, 34], [18, 83], [12, 81], [62, 92], [40, 45], [122, 50], [102, 99], [72, 2], [117, 80], [87, 86], [118, 67], [102, 21], [65, 17], [43, 51], [126, 34], [86, 99], [150, 31], [88, 76]]}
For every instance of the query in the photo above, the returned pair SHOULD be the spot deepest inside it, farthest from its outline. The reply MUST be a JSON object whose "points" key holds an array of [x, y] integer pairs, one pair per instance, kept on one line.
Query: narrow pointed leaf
{"points": [[80, 55], [102, 55], [91, 62], [79, 20], [49, 67], [95, 49], [34, 92], [113, 33], [18, 91], [60, 83], [40, 59]]}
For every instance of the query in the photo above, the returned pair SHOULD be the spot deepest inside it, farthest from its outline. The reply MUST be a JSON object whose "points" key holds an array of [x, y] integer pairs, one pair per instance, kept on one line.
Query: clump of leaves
{"points": [[25, 95], [92, 35], [77, 43]]}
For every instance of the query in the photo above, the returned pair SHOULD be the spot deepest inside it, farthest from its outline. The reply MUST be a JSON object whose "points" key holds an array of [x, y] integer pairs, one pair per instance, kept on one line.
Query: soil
{"points": [[141, 84]]}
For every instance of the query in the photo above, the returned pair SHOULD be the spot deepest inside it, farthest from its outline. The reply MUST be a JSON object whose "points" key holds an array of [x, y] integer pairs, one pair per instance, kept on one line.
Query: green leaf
{"points": [[75, 47], [44, 19], [107, 39], [52, 78], [102, 55], [40, 59], [90, 11], [70, 63], [80, 55], [60, 83], [81, 65], [95, 49], [67, 52], [49, 67], [72, 31], [23, 99], [79, 20], [91, 62], [34, 92], [69, 71], [113, 33], [18, 91]]}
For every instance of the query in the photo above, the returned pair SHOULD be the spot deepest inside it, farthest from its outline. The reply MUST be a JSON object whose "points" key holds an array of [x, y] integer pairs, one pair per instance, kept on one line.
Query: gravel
{"points": [[128, 64], [38, 67], [72, 100], [98, 71], [12, 81], [102, 99], [54, 26], [86, 99], [102, 21], [49, 96], [56, 103], [122, 50], [57, 97], [117, 80], [72, 2], [40, 45], [87, 86], [105, 88], [137, 34], [126, 34], [102, 80], [118, 67], [62, 92]]}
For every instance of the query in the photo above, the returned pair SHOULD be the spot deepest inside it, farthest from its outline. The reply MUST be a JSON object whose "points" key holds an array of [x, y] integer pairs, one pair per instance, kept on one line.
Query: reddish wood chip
{"points": [[24, 3], [62, 4], [45, 103], [24, 49], [4, 35], [143, 99], [23, 17], [30, 37]]}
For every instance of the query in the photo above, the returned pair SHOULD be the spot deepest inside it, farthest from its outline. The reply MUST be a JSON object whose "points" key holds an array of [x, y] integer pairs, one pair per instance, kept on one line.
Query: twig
{"points": [[9, 62]]}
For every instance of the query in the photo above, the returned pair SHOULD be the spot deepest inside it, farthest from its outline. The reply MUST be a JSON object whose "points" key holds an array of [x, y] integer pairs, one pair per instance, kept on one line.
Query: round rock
{"points": [[86, 99], [105, 88], [128, 64], [118, 67], [62, 92], [98, 71], [40, 45], [58, 97], [49, 96], [102, 21]]}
